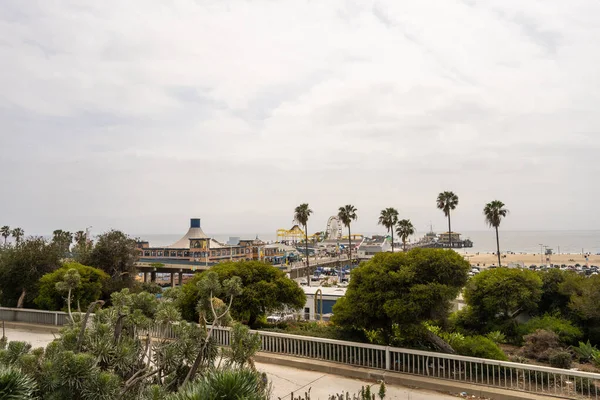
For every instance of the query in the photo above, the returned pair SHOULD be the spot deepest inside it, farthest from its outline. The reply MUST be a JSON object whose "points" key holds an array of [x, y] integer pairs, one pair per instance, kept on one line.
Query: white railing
{"points": [[57, 318], [500, 374]]}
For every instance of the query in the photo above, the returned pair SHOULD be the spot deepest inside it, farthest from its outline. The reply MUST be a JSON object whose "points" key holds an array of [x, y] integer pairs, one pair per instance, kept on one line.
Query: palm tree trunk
{"points": [[349, 245], [392, 239], [449, 230], [306, 254], [404, 243], [498, 246]]}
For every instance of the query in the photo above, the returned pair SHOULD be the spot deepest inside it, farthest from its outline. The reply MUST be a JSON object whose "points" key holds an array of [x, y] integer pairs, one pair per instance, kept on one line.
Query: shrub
{"points": [[496, 337], [540, 344], [479, 346], [16, 385], [566, 331], [90, 288], [584, 351], [560, 359]]}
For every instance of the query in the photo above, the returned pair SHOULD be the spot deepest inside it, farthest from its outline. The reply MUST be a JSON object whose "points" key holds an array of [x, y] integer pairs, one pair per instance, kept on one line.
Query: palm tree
{"points": [[446, 202], [18, 234], [80, 238], [494, 212], [301, 215], [404, 229], [389, 219], [5, 231], [347, 214]]}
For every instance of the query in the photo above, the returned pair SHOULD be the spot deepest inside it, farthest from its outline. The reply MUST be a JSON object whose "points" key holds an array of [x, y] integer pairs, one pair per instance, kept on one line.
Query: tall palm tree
{"points": [[301, 215], [5, 231], [389, 219], [404, 229], [447, 201], [18, 233], [347, 214], [494, 212]]}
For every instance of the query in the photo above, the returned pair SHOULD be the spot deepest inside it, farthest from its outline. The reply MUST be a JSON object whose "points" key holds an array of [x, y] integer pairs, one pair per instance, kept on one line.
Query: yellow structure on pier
{"points": [[295, 234]]}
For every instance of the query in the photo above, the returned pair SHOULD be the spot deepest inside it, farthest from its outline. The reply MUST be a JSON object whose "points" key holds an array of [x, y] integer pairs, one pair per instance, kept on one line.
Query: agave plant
{"points": [[15, 385], [238, 383], [585, 351]]}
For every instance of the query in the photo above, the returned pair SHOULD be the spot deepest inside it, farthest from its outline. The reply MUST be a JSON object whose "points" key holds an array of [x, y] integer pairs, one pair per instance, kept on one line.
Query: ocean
{"points": [[483, 241]]}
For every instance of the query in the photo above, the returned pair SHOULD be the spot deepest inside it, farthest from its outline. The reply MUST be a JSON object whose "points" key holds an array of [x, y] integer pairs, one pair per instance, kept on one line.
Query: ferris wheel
{"points": [[334, 228]]}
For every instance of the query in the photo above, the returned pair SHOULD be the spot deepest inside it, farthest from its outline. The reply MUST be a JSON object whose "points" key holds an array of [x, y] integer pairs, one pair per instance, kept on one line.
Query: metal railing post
{"points": [[56, 319], [388, 361]]}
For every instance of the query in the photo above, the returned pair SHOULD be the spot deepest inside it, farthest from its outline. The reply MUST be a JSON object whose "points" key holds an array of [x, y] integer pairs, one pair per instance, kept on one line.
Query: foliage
{"points": [[15, 385], [557, 287], [540, 344], [405, 289], [389, 218], [479, 346], [62, 241], [243, 345], [404, 229], [90, 288], [501, 294], [347, 214], [111, 357], [560, 359], [566, 331], [301, 215], [365, 393], [266, 289], [21, 267], [238, 383], [585, 351], [149, 287], [496, 337], [115, 253]]}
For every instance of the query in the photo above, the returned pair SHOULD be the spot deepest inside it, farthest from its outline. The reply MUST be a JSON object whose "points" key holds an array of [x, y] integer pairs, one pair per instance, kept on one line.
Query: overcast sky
{"points": [[138, 115]]}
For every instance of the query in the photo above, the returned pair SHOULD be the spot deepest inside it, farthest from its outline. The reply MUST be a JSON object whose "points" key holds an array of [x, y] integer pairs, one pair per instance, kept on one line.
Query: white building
{"points": [[370, 247], [325, 299]]}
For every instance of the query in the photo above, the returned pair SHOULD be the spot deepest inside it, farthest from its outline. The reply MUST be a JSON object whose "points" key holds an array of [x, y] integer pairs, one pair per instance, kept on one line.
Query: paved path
{"points": [[285, 380]]}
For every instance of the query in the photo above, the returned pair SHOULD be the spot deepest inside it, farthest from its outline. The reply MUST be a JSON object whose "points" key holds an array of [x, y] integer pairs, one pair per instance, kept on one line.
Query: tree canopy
{"points": [[115, 253], [502, 293], [22, 266], [266, 289], [401, 289], [90, 287]]}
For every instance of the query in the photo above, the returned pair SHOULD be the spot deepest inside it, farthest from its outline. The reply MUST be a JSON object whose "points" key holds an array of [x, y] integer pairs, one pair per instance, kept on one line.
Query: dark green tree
{"points": [[557, 288], [93, 281], [447, 201], [5, 232], [22, 266], [401, 290], [500, 294], [347, 214], [301, 215], [494, 212], [116, 254], [266, 289], [389, 219], [62, 240], [18, 234], [404, 229]]}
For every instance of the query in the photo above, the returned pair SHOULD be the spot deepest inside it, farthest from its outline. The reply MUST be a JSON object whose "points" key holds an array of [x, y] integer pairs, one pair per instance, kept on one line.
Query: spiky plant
{"points": [[15, 385]]}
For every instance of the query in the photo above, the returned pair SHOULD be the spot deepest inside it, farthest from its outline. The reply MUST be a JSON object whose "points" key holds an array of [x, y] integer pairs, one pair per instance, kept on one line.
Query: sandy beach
{"points": [[486, 259]]}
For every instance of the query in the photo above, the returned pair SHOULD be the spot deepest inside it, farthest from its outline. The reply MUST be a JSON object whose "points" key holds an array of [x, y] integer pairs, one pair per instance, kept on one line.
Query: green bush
{"points": [[90, 288], [496, 337], [479, 346], [566, 331], [560, 359], [585, 351]]}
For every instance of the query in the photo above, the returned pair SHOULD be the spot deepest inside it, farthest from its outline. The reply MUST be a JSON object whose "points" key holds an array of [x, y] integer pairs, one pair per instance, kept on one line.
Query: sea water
{"points": [[563, 242]]}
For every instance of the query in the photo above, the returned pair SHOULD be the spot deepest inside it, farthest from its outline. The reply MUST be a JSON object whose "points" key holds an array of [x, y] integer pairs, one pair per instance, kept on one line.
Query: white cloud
{"points": [[135, 112]]}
